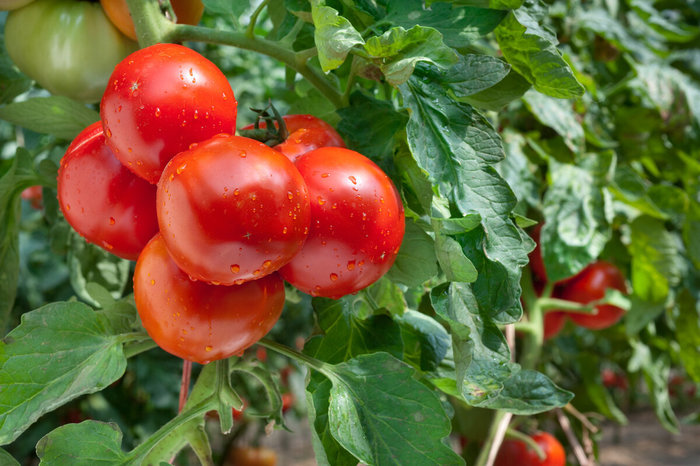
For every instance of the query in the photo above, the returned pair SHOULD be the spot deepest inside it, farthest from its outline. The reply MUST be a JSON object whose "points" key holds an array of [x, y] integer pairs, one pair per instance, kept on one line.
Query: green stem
{"points": [[294, 354], [494, 438], [549, 304], [250, 30], [133, 348], [150, 24]]}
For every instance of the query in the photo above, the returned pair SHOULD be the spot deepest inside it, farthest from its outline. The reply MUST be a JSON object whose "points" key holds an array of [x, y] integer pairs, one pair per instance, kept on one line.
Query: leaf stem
{"points": [[497, 431], [294, 354], [250, 30], [132, 348]]}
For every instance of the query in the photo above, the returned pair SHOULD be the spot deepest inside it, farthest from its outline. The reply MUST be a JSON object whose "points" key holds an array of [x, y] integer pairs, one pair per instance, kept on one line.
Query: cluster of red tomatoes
{"points": [[217, 222], [585, 287]]}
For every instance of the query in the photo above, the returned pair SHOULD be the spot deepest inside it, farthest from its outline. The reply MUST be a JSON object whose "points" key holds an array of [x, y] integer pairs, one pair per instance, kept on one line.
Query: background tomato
{"points": [[536, 261], [197, 321], [589, 285], [13, 4], [516, 452], [251, 456], [160, 100], [357, 224], [231, 209], [102, 200], [70, 48], [554, 322], [187, 12]]}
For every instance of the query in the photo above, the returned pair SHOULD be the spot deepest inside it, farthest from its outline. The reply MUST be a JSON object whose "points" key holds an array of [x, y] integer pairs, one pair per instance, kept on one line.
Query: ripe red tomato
{"points": [[536, 261], [589, 285], [306, 133], [102, 200], [516, 452], [231, 210], [161, 99], [34, 195], [554, 322], [197, 321], [357, 224], [186, 11], [251, 456]]}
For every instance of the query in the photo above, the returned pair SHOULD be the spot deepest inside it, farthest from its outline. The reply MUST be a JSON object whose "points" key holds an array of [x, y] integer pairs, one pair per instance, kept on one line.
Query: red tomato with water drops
{"points": [[197, 321], [516, 452], [102, 200], [306, 133], [357, 224], [161, 99], [231, 210], [590, 285]]}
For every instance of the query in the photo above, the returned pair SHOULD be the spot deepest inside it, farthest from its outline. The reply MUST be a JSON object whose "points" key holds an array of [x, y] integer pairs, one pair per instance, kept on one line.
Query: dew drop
{"points": [[67, 206], [181, 168], [325, 175], [351, 265], [235, 268], [208, 348], [352, 179], [321, 200], [196, 114], [153, 282], [193, 146], [157, 112], [236, 192], [267, 264], [290, 195], [334, 276], [112, 221], [284, 230], [108, 133], [243, 154]]}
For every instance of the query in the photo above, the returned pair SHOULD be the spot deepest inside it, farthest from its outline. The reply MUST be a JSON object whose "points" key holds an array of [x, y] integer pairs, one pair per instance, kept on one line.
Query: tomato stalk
{"points": [[301, 357], [226, 396], [185, 383]]}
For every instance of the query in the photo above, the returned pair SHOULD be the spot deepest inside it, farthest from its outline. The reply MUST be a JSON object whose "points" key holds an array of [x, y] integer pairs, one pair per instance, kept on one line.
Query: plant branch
{"points": [[313, 363], [250, 30], [150, 24], [497, 431], [573, 441]]}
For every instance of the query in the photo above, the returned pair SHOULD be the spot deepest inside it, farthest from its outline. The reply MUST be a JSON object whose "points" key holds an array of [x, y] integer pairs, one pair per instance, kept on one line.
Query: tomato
{"points": [[554, 322], [197, 321], [34, 195], [13, 4], [536, 261], [306, 133], [102, 200], [231, 210], [251, 456], [70, 48], [186, 11], [590, 285], [516, 452], [357, 224], [160, 100], [287, 401]]}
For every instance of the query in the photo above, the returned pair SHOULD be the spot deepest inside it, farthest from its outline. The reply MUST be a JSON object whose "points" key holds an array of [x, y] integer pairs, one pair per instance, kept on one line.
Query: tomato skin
{"points": [[357, 224], [516, 452], [590, 285], [102, 200], [554, 322], [231, 210], [187, 12], [160, 100], [251, 456], [70, 48], [197, 321], [306, 133], [536, 261]]}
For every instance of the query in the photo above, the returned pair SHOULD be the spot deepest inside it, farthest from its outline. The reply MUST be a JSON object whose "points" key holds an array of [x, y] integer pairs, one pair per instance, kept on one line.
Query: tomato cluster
{"points": [[218, 221]]}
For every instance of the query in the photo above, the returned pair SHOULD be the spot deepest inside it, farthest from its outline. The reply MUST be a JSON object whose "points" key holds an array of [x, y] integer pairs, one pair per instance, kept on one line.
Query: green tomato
{"points": [[70, 48], [12, 4]]}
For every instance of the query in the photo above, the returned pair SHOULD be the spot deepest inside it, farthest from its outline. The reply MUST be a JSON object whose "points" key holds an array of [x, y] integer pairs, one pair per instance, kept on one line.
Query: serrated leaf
{"points": [[688, 334], [510, 88], [425, 341], [334, 36], [85, 444], [459, 26], [529, 392], [531, 50], [456, 266], [399, 50], [381, 414], [57, 353], [559, 115], [416, 261], [56, 115], [657, 21], [470, 75]]}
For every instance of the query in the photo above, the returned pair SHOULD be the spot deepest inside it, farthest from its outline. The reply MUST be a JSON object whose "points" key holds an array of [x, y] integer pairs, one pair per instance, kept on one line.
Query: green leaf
{"points": [[520, 173], [662, 84], [658, 22], [456, 266], [425, 341], [226, 7], [85, 444], [12, 82], [559, 115], [57, 353], [605, 25], [596, 391], [530, 392], [691, 233], [577, 213], [688, 334], [56, 115], [495, 4], [334, 36], [399, 50], [416, 261], [459, 26], [382, 415], [640, 314], [656, 260], [531, 50], [7, 459], [470, 75], [510, 88]]}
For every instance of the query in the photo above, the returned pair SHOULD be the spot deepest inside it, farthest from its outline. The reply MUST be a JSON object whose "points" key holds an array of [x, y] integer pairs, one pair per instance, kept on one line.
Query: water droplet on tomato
{"points": [[351, 265], [224, 96], [325, 175], [67, 206], [321, 200], [290, 195], [119, 109], [112, 221], [193, 146], [284, 230], [157, 112], [235, 268], [153, 282], [196, 114], [236, 192], [108, 133], [334, 276], [243, 154], [129, 149], [208, 348], [256, 272], [352, 179], [181, 168], [267, 264]]}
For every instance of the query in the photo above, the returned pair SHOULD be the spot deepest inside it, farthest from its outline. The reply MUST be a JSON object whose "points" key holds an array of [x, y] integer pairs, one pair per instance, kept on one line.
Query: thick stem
{"points": [[150, 24], [294, 354], [497, 431]]}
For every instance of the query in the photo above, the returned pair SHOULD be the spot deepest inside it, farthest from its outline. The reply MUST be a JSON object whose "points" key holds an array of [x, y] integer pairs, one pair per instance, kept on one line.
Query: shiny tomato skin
{"points": [[186, 11], [232, 209], [554, 322], [197, 321], [516, 452], [306, 133], [102, 200], [590, 285], [357, 224], [161, 99]]}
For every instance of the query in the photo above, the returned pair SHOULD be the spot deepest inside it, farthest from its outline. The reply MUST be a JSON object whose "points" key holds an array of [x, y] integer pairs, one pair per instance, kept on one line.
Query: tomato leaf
{"points": [[662, 85], [56, 115], [57, 353], [7, 459], [559, 115], [688, 333], [470, 75], [425, 341], [416, 261], [672, 31], [520, 173], [510, 88], [495, 4], [531, 50], [596, 391], [87, 443], [334, 36], [399, 50]]}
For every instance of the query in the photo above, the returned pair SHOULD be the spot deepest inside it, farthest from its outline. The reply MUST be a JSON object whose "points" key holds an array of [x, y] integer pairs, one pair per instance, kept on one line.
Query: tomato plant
{"points": [[71, 50], [197, 321], [186, 12], [518, 452], [231, 210]]}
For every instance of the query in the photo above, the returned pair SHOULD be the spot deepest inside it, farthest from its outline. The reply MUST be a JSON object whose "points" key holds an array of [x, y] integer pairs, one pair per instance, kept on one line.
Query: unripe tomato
{"points": [[197, 321], [590, 285], [102, 200], [231, 210], [187, 12], [70, 48], [160, 100], [357, 224], [516, 452]]}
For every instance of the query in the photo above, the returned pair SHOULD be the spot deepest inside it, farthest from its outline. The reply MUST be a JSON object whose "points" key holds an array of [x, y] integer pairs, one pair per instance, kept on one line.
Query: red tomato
{"points": [[287, 401], [536, 261], [357, 224], [231, 210], [197, 321], [590, 285], [34, 195], [161, 99], [516, 452], [102, 200], [251, 456], [186, 11], [306, 133], [553, 323]]}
